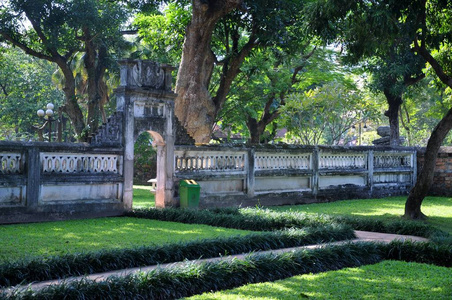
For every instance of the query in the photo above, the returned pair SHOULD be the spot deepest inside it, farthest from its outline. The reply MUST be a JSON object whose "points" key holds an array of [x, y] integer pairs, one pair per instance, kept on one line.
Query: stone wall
{"points": [[276, 175], [442, 179], [56, 181]]}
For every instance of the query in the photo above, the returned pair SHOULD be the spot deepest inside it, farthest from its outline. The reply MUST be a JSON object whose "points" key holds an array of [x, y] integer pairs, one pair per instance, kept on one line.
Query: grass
{"points": [[63, 237], [438, 209], [142, 197], [385, 280]]}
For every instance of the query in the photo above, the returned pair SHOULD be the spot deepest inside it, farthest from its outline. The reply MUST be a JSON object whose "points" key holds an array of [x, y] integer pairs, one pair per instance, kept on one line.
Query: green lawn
{"points": [[385, 280], [142, 196], [438, 209], [57, 238]]}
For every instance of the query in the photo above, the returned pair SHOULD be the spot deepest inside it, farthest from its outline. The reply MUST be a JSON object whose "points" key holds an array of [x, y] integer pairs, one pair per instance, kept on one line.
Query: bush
{"points": [[259, 219], [190, 279], [40, 269]]}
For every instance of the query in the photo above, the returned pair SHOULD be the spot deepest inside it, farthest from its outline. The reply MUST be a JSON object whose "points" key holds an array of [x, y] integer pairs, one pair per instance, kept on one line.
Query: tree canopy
{"points": [[56, 31]]}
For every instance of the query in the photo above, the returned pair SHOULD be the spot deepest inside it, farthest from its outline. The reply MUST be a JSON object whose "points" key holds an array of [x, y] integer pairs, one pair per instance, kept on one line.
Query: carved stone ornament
{"points": [[148, 74]]}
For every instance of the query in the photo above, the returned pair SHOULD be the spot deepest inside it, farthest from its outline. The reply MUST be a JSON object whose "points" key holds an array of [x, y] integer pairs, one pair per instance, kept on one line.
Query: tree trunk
{"points": [[394, 103], [425, 178], [71, 106], [194, 106]]}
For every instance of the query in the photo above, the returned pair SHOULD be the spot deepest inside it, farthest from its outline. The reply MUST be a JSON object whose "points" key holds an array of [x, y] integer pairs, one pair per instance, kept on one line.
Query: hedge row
{"points": [[40, 269], [263, 219], [190, 279]]}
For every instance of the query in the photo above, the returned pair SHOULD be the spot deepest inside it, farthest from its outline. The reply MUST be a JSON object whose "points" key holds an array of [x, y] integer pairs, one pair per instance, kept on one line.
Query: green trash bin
{"points": [[189, 192]]}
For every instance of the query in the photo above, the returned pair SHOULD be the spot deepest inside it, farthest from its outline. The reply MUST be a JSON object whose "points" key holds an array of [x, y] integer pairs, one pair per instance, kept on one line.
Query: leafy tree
{"points": [[326, 114], [267, 79], [55, 31], [372, 39], [427, 25], [222, 34], [24, 88]]}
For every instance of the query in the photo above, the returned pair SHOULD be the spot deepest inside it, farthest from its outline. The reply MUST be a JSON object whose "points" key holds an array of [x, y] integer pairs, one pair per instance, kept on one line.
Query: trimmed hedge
{"points": [[40, 269], [192, 278], [428, 253], [174, 283], [260, 219]]}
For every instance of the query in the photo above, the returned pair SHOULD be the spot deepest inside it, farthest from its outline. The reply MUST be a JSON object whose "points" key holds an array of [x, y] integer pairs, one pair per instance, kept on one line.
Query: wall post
{"points": [[370, 170], [33, 177], [250, 176], [315, 161]]}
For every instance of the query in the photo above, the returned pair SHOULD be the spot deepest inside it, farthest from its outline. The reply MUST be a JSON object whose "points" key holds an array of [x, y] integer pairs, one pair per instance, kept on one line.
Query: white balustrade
{"points": [[79, 163], [209, 161], [342, 161], [10, 163], [392, 178], [283, 161], [392, 160]]}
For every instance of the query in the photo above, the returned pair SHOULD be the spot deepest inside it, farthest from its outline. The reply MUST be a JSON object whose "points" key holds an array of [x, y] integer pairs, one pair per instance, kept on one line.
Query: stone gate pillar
{"points": [[147, 103]]}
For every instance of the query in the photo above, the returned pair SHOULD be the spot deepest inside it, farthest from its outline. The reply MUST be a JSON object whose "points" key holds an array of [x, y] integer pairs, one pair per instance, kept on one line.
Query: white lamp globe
{"points": [[49, 112], [50, 106], [40, 113]]}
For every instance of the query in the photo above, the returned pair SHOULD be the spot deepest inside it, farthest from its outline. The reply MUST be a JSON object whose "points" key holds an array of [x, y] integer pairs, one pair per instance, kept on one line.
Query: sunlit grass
{"points": [[438, 209], [142, 196], [386, 280], [57, 238]]}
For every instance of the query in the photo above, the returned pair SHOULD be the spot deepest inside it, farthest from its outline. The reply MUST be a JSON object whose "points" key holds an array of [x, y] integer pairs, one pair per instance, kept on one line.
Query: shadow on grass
{"points": [[386, 280]]}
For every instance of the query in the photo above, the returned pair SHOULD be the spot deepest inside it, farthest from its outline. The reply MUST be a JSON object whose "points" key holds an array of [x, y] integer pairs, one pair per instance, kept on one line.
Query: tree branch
{"points": [[25, 48], [446, 79]]}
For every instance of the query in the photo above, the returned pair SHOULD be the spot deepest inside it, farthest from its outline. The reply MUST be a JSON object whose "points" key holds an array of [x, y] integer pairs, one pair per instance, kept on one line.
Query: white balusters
{"points": [[392, 160], [79, 163], [342, 161], [10, 163], [273, 161], [204, 161]]}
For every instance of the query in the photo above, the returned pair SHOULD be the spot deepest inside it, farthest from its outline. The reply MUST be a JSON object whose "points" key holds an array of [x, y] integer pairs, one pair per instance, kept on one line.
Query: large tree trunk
{"points": [[194, 106], [71, 106], [394, 103], [425, 178]]}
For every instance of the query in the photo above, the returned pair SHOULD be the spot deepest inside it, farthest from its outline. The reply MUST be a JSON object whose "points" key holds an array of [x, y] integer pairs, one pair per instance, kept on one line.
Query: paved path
{"points": [[362, 236]]}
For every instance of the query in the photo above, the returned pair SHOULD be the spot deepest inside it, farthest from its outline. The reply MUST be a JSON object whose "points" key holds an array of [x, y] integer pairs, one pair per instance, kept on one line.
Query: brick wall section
{"points": [[442, 179]]}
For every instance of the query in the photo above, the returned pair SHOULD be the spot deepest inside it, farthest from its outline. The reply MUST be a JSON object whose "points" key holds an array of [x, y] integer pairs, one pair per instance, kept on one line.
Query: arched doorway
{"points": [[147, 104]]}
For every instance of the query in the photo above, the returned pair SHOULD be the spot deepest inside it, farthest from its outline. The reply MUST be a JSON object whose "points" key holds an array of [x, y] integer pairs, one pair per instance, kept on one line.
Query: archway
{"points": [[147, 104]]}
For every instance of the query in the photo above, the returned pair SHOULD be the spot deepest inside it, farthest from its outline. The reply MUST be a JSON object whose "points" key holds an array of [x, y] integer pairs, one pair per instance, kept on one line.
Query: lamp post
{"points": [[47, 114]]}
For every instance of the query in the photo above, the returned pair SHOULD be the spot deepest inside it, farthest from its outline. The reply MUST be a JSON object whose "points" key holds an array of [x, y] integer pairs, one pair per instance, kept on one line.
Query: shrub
{"points": [[190, 279], [40, 269]]}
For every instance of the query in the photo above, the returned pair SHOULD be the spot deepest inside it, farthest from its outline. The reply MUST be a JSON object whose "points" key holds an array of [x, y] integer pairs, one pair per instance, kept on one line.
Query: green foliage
{"points": [[326, 114], [189, 279], [59, 238], [39, 269], [266, 219], [386, 210], [384, 280], [24, 88], [162, 34], [57, 31], [145, 158], [247, 219]]}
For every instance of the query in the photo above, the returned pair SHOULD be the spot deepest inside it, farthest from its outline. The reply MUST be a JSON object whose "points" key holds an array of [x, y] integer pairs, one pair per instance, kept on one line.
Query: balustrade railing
{"points": [[79, 163], [393, 160], [210, 161], [276, 161], [314, 169], [342, 161], [11, 163]]}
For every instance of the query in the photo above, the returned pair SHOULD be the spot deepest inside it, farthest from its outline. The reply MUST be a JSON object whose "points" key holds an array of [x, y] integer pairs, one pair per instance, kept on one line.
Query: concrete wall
{"points": [[276, 175], [43, 181]]}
